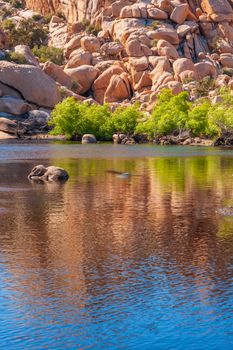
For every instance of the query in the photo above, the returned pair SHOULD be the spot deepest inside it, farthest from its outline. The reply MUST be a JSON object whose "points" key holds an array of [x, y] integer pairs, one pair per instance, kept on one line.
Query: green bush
{"points": [[48, 53], [125, 119], [220, 115], [37, 17], [73, 119], [27, 32], [18, 4], [198, 121], [205, 85], [169, 116], [91, 28], [14, 57]]}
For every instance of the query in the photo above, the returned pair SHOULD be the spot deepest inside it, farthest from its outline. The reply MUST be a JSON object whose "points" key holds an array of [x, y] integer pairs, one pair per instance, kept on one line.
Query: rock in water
{"points": [[225, 211], [51, 174], [88, 138]]}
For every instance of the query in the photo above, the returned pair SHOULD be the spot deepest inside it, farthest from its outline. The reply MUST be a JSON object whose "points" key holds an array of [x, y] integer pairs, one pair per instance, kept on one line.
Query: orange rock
{"points": [[57, 74], [84, 76], [179, 14], [144, 81], [204, 69], [226, 60], [187, 76], [134, 11], [168, 34], [3, 40], [155, 13], [90, 44], [136, 49], [166, 49], [101, 83], [79, 58], [118, 89]]}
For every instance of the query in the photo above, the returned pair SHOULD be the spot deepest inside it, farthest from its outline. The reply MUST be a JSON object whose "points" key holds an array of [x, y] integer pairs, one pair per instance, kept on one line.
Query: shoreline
{"points": [[46, 137]]}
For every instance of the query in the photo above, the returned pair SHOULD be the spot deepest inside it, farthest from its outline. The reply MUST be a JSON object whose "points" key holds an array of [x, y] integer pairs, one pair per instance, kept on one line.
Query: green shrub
{"points": [[228, 71], [37, 17], [206, 84], [73, 119], [170, 114], [18, 4], [15, 57], [125, 119], [198, 121], [28, 32], [155, 25], [48, 53], [91, 28], [221, 114]]}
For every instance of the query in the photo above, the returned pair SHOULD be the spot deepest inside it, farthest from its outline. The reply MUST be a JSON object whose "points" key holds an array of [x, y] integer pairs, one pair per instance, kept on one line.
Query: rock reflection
{"points": [[74, 241]]}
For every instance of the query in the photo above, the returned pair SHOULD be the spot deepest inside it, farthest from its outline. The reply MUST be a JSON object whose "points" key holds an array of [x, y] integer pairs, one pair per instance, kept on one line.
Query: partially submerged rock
{"points": [[51, 174], [88, 138]]}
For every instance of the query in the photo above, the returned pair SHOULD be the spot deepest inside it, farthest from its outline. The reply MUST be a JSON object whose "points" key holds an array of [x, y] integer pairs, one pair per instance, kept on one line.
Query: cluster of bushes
{"points": [[73, 119], [172, 115], [176, 114]]}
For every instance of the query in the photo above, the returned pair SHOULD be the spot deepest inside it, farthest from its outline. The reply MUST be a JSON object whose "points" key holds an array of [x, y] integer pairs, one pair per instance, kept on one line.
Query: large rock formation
{"points": [[128, 50], [31, 83]]}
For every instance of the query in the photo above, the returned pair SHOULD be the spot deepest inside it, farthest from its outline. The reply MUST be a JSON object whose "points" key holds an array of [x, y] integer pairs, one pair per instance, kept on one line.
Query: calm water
{"points": [[110, 263]]}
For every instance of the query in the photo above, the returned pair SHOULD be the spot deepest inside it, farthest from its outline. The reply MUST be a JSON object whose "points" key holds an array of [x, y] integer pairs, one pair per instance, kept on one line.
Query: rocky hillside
{"points": [[121, 52]]}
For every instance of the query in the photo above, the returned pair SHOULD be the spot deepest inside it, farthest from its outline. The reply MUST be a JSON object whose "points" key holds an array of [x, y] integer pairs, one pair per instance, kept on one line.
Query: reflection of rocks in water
{"points": [[228, 211], [99, 231], [49, 187], [121, 175]]}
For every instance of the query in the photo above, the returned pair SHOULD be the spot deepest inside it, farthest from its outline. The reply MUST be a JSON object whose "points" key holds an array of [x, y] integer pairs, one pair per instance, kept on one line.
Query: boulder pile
{"points": [[123, 51]]}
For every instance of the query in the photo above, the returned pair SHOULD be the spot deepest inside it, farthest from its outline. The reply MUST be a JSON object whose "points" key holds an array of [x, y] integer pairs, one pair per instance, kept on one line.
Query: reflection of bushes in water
{"points": [[89, 168], [178, 172], [225, 229], [169, 172], [173, 173]]}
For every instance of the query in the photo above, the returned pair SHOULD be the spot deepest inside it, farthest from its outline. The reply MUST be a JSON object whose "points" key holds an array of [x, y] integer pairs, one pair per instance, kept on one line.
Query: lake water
{"points": [[104, 262]]}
